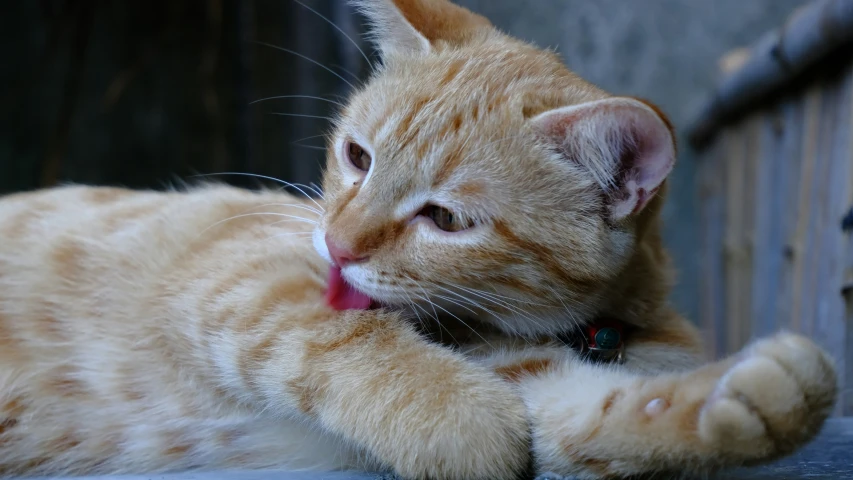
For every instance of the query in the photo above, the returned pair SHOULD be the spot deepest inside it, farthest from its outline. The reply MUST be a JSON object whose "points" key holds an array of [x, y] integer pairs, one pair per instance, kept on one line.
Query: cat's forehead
{"points": [[465, 75], [492, 86], [455, 120]]}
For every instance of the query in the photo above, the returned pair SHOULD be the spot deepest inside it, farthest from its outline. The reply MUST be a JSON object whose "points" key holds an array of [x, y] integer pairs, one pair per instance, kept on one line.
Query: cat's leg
{"points": [[671, 344], [366, 376], [599, 421], [257, 329]]}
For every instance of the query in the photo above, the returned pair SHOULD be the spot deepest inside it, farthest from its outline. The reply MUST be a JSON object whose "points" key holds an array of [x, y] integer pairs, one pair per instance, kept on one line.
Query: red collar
{"points": [[600, 341]]}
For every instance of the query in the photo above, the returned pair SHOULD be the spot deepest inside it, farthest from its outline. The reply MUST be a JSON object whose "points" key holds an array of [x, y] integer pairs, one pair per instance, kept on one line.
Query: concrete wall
{"points": [[663, 50]]}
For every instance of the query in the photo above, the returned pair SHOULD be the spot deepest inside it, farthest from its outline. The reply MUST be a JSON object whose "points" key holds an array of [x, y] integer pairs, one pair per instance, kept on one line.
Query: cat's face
{"points": [[477, 172]]}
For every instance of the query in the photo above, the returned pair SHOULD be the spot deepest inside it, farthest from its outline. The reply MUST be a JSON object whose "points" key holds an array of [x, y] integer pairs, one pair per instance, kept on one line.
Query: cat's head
{"points": [[477, 171]]}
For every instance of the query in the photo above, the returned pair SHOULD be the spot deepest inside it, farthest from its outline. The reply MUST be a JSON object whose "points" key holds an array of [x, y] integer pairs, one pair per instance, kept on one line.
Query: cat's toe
{"points": [[772, 401]]}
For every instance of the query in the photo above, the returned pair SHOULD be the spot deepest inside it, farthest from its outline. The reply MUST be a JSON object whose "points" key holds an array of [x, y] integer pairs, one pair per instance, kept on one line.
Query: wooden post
{"points": [[776, 182]]}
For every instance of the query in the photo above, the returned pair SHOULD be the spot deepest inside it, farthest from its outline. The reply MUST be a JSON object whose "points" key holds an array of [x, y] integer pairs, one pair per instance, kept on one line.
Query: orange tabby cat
{"points": [[473, 178]]}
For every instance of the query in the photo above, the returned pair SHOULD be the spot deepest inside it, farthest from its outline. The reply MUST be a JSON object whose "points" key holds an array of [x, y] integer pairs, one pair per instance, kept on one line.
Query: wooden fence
{"points": [[140, 94], [776, 203]]}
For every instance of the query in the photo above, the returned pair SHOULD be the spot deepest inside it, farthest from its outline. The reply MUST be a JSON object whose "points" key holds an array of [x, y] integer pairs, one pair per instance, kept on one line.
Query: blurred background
{"points": [[142, 94]]}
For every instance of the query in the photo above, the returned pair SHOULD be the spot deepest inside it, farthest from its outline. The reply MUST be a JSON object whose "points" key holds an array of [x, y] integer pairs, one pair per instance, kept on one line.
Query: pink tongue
{"points": [[341, 296]]}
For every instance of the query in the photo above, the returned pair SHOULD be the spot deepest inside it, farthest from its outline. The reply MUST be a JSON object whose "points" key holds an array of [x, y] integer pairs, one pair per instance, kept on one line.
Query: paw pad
{"points": [[656, 407]]}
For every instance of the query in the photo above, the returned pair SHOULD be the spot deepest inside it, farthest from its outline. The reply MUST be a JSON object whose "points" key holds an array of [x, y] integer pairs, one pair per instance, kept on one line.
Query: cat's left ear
{"points": [[626, 145], [413, 27]]}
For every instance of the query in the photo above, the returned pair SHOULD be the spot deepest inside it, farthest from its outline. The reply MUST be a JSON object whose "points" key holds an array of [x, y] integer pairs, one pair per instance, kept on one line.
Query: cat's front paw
{"points": [[772, 401], [478, 432]]}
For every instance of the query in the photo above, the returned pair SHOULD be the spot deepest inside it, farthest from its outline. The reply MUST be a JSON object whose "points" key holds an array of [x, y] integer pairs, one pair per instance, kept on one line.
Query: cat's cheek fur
{"points": [[318, 239]]}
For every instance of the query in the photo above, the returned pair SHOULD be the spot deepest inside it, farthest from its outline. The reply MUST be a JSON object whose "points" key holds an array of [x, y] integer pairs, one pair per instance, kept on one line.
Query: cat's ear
{"points": [[414, 26], [627, 145]]}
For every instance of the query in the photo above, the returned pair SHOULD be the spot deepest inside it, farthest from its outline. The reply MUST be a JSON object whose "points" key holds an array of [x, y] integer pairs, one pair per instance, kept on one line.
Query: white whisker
{"points": [[478, 293], [511, 299], [310, 147], [415, 308], [286, 221], [500, 303], [311, 97], [290, 234], [434, 305], [290, 205], [311, 188], [301, 115], [437, 321], [497, 300], [316, 189], [333, 24], [295, 217], [569, 312], [310, 60], [476, 304], [326, 135], [454, 302], [298, 187], [473, 330], [425, 311], [283, 182], [341, 68], [265, 177], [243, 174], [426, 297]]}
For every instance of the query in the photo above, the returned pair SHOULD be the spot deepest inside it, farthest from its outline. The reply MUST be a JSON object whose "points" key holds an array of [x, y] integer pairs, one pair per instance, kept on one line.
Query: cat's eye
{"points": [[358, 156], [445, 219]]}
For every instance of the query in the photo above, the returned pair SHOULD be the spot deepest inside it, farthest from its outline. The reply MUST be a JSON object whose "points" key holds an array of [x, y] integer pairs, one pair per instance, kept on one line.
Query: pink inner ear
{"points": [[625, 145], [646, 159]]}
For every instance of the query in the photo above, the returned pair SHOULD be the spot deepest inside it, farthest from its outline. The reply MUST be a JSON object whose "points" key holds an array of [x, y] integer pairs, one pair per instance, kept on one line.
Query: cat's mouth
{"points": [[340, 295]]}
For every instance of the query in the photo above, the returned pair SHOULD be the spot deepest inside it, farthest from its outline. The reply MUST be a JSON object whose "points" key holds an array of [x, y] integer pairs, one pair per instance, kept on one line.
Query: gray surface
{"points": [[828, 457]]}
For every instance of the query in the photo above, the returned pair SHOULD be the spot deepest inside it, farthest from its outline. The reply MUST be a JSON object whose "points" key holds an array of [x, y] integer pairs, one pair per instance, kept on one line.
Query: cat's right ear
{"points": [[413, 27], [626, 145]]}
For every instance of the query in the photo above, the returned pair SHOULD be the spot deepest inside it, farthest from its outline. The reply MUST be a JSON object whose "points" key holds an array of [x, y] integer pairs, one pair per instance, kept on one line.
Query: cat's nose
{"points": [[341, 256]]}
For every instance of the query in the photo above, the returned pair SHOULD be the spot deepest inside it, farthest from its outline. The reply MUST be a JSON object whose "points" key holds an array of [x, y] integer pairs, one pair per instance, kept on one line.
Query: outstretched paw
{"points": [[772, 401]]}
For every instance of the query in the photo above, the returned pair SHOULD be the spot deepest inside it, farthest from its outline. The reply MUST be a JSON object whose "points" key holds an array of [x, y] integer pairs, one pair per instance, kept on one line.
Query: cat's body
{"points": [[145, 332], [98, 354]]}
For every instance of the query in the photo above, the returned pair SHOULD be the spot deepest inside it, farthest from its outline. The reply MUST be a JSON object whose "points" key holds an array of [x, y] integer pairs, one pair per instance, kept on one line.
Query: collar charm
{"points": [[603, 342]]}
